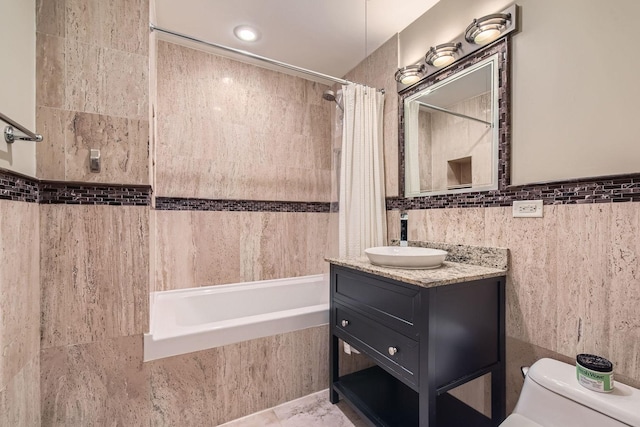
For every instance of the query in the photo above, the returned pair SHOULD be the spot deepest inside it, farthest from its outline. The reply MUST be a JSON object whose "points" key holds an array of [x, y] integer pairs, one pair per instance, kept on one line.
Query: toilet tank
{"points": [[551, 396]]}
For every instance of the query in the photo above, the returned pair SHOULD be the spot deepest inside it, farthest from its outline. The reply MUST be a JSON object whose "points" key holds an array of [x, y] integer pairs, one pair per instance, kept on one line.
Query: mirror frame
{"points": [[500, 47]]}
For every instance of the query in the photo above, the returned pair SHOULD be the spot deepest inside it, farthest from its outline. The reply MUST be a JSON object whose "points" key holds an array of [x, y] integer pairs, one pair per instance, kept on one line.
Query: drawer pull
{"points": [[392, 351], [345, 323]]}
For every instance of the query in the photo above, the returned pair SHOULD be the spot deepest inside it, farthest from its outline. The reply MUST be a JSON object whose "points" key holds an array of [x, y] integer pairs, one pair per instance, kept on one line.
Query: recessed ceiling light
{"points": [[246, 33]]}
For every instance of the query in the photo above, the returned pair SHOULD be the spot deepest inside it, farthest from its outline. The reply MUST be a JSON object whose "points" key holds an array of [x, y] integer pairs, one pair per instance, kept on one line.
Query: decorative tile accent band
{"points": [[87, 194], [176, 203], [622, 188], [17, 187]]}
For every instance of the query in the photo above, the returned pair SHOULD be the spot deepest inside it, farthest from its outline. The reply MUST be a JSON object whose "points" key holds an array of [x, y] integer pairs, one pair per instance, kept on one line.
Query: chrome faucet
{"points": [[404, 219]]}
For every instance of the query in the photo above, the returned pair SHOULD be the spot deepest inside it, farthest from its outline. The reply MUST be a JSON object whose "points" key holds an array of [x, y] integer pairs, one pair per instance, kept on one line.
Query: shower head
{"points": [[330, 95]]}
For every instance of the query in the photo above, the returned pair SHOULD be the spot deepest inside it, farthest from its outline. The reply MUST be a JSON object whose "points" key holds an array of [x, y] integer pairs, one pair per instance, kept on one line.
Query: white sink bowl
{"points": [[406, 257]]}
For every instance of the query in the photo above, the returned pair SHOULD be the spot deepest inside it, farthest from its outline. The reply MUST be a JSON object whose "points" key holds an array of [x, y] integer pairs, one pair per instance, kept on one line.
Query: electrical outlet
{"points": [[527, 209]]}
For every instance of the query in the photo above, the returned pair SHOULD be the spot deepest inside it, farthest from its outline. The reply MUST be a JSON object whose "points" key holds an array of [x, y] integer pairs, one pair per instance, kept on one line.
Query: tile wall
{"points": [[92, 62], [572, 286], [92, 84], [19, 314], [377, 70], [197, 248], [229, 130], [105, 382], [242, 181], [243, 154], [237, 200], [454, 137], [424, 148]]}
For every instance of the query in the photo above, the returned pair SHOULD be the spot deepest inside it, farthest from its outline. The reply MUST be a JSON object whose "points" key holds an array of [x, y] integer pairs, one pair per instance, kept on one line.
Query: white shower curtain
{"points": [[362, 219], [412, 168]]}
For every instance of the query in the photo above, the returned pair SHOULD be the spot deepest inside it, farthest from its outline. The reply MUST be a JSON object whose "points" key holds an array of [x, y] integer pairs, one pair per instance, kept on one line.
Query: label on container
{"points": [[596, 381]]}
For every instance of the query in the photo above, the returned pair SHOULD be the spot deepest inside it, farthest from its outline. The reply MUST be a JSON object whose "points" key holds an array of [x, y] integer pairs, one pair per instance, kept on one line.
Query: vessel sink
{"points": [[406, 257]]}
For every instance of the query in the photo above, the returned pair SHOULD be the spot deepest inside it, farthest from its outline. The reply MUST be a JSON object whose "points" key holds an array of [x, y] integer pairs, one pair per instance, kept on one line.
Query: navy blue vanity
{"points": [[428, 331]]}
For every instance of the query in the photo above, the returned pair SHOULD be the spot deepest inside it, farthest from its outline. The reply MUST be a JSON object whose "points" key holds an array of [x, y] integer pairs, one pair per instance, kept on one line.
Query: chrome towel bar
{"points": [[10, 136]]}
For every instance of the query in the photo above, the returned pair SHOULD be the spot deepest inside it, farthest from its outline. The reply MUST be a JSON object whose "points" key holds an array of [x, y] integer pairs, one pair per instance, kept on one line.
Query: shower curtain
{"points": [[412, 167], [361, 197]]}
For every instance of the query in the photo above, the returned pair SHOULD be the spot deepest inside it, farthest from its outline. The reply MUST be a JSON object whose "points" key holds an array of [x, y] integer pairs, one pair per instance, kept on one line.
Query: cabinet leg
{"points": [[333, 367], [498, 396]]}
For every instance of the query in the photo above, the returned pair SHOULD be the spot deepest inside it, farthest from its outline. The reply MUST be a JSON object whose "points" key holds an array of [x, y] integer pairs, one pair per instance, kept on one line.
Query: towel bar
{"points": [[10, 136]]}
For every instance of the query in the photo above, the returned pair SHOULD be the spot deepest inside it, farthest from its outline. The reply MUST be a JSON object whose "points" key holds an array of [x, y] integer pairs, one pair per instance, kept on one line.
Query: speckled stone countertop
{"points": [[478, 263]]}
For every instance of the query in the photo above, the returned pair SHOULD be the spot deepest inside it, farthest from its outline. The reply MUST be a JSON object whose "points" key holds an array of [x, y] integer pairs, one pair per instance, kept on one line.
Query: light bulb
{"points": [[443, 61], [410, 79], [487, 36]]}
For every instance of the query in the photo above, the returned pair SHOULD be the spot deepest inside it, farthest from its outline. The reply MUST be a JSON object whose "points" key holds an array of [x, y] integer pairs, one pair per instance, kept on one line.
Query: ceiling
{"points": [[328, 36]]}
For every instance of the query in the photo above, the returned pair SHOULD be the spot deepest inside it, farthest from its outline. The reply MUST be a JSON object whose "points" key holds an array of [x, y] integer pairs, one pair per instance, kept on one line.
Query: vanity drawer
{"points": [[392, 350], [392, 304]]}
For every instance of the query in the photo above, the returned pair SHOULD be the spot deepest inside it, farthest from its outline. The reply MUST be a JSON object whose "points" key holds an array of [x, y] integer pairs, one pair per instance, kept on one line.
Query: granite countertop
{"points": [[474, 268]]}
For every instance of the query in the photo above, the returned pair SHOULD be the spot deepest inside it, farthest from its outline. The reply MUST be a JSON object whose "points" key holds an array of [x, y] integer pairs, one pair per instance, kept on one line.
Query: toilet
{"points": [[552, 397]]}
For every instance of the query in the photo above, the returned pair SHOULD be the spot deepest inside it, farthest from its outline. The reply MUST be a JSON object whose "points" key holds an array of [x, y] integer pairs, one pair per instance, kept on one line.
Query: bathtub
{"points": [[195, 319]]}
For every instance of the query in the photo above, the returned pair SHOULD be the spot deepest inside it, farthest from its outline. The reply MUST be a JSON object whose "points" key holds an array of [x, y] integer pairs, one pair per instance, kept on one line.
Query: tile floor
{"points": [[313, 410]]}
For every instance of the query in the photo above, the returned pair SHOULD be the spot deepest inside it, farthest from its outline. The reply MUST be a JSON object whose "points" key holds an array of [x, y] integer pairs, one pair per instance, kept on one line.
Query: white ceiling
{"points": [[327, 36]]}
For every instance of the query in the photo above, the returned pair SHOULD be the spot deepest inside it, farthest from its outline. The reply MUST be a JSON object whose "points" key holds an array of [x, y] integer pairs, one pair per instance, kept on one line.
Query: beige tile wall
{"points": [[92, 93], [425, 151], [92, 85], [20, 397], [98, 383], [211, 248], [236, 380], [378, 70], [92, 89], [106, 382], [19, 314], [94, 261], [573, 280], [455, 137], [228, 130]]}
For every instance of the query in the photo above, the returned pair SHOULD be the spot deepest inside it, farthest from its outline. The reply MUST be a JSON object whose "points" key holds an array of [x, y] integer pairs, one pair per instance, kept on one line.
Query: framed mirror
{"points": [[454, 128]]}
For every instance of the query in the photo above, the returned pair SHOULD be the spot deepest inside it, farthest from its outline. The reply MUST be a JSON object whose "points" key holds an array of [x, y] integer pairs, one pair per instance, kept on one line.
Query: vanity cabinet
{"points": [[424, 340]]}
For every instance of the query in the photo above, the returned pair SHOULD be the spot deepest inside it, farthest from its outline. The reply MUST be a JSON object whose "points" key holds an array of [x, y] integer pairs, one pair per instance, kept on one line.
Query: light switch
{"points": [[94, 161]]}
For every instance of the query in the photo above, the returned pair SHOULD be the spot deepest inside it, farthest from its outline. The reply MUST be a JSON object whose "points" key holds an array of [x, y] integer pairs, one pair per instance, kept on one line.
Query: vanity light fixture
{"points": [[482, 32], [410, 74], [488, 28], [442, 55], [246, 33]]}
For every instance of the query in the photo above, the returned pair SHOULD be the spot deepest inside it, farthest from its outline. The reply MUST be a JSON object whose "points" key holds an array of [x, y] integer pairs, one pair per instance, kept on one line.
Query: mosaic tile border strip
{"points": [[177, 203], [17, 187], [615, 189], [87, 194]]}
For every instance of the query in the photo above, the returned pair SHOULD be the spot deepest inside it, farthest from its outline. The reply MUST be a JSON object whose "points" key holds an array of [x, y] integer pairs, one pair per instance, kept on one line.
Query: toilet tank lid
{"points": [[622, 404]]}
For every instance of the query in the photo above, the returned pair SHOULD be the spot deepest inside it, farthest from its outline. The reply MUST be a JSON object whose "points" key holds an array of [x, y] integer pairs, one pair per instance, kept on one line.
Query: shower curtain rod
{"points": [[453, 113], [252, 56]]}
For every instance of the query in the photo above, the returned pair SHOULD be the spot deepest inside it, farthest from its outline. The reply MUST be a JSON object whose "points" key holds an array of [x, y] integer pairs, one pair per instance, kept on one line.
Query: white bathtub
{"points": [[194, 319]]}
